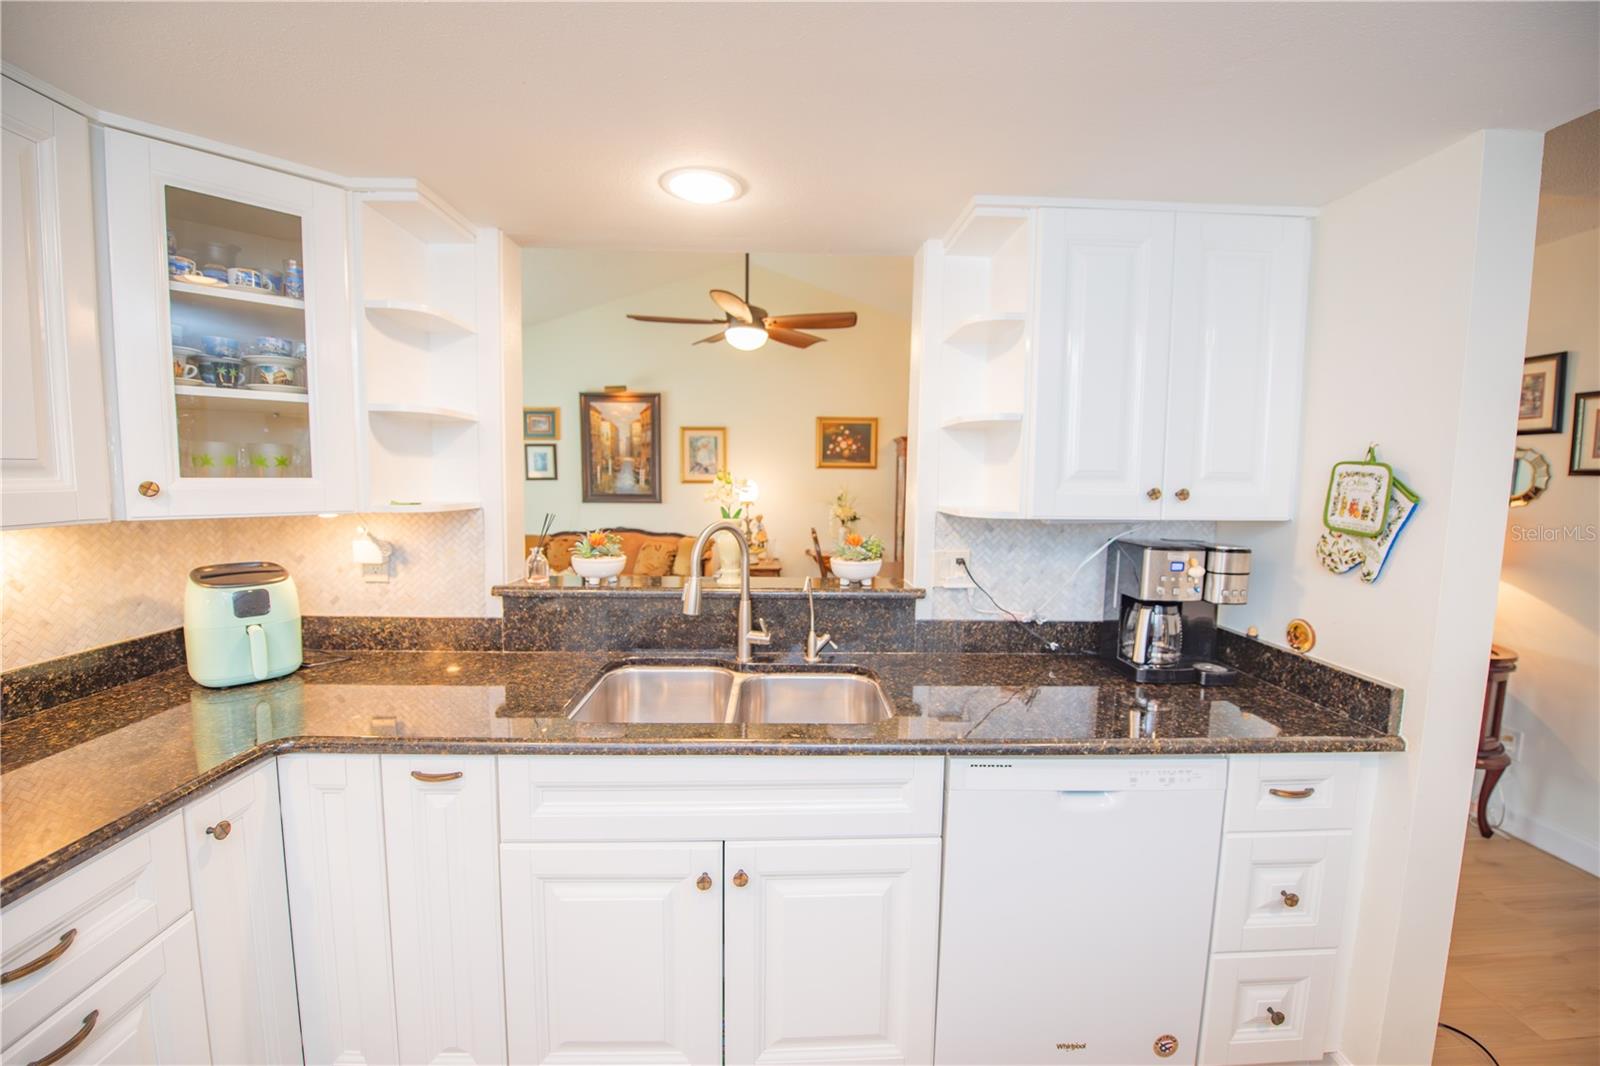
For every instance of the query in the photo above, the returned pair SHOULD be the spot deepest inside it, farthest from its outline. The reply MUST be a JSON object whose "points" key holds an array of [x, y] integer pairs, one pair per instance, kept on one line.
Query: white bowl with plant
{"points": [[598, 556], [858, 558]]}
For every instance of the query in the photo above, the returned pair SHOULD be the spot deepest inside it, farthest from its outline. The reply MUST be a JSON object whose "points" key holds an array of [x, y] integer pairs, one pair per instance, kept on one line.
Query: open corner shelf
{"points": [[422, 412], [986, 333], [224, 292], [983, 420], [419, 217], [396, 506], [986, 233], [418, 318], [976, 511]]}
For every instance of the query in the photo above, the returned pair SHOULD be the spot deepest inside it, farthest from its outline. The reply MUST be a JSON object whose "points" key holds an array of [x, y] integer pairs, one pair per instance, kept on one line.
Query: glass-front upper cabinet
{"points": [[232, 333]]}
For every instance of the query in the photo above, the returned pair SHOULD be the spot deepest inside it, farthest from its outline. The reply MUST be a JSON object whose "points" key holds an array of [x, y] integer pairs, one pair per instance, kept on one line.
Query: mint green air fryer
{"points": [[241, 623]]}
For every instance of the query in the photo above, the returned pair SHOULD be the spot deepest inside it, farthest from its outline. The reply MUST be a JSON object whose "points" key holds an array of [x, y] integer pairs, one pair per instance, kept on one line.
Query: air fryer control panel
{"points": [[251, 603]]}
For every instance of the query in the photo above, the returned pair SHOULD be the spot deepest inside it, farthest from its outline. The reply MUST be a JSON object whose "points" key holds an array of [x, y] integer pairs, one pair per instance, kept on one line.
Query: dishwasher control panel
{"points": [[1115, 773]]}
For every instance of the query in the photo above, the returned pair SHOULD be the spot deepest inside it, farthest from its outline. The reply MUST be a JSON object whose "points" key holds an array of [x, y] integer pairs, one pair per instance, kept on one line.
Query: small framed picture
{"points": [[702, 451], [539, 462], [1542, 405], [847, 443], [541, 423], [1585, 434]]}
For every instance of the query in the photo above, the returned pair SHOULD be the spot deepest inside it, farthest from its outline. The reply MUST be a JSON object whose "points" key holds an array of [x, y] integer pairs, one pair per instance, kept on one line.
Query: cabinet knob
{"points": [[1182, 494], [703, 882], [1154, 494], [1276, 1016], [1292, 793], [1290, 899], [741, 879], [220, 831], [149, 488]]}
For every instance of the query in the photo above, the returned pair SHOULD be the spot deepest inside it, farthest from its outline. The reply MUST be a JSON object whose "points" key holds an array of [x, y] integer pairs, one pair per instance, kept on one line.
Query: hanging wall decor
{"points": [[1367, 509]]}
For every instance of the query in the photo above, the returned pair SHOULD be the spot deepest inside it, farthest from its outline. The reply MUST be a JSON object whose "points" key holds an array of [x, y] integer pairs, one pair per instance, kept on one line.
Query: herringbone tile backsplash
{"points": [[72, 588], [1032, 568]]}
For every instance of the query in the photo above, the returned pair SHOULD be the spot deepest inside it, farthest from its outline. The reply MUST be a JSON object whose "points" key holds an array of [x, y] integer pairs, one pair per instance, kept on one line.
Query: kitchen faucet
{"points": [[814, 643], [691, 590]]}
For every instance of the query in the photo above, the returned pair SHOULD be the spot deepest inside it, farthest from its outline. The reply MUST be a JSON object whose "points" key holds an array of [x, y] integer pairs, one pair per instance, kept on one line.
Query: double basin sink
{"points": [[720, 695]]}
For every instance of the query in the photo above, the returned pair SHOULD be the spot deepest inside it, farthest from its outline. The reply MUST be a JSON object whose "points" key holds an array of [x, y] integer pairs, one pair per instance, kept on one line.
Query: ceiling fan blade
{"points": [[792, 337], [686, 321], [732, 304], [711, 339], [821, 320]]}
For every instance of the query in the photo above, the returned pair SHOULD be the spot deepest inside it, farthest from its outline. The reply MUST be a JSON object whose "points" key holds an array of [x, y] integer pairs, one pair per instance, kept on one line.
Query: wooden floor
{"points": [[1524, 972]]}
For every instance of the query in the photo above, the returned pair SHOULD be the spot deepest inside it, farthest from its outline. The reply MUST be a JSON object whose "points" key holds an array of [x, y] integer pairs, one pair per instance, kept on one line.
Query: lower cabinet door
{"points": [[613, 952], [241, 912], [1266, 1007], [444, 907], [338, 897], [148, 1011], [832, 950]]}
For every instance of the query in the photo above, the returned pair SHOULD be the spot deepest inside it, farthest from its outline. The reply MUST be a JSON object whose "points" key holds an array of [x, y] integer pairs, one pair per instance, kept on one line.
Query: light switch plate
{"points": [[947, 573]]}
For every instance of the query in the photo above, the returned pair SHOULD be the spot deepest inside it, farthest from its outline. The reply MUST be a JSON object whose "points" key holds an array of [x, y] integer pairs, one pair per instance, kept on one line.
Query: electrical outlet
{"points": [[1512, 741], [375, 572], [947, 571]]}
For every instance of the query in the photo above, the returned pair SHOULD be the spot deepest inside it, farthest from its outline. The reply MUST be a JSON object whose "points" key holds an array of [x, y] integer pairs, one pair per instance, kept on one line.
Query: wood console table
{"points": [[1492, 757]]}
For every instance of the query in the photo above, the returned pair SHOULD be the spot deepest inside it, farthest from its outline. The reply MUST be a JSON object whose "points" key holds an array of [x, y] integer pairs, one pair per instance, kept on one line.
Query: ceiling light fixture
{"points": [[745, 338], [702, 185]]}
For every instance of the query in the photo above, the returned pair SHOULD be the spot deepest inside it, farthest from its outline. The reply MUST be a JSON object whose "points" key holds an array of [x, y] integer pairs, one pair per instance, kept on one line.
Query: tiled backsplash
{"points": [[1032, 568], [71, 588]]}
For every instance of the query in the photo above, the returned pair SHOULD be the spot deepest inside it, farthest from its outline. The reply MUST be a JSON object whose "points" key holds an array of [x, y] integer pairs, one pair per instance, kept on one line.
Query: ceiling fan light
{"points": [[702, 185], [745, 338]]}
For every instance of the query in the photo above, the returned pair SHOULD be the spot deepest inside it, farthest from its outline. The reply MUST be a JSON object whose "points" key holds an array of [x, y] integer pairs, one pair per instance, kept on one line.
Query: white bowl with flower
{"points": [[858, 559], [598, 556]]}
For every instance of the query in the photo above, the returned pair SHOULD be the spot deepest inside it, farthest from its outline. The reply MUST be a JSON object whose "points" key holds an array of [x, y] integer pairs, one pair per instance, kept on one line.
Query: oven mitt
{"points": [[1338, 553], [1375, 552]]}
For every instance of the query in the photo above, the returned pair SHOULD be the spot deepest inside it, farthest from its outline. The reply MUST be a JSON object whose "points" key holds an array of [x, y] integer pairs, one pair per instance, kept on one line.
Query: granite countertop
{"points": [[74, 778]]}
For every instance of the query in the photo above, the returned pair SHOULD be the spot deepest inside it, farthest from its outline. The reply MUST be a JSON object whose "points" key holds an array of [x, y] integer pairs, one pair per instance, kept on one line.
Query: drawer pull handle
{"points": [[453, 775], [42, 961], [72, 1042], [1290, 899], [220, 831], [741, 879], [703, 882], [1276, 1016], [1293, 793]]}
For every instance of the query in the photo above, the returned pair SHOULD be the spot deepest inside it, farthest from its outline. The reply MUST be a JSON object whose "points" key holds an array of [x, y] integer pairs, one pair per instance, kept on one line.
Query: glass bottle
{"points": [[538, 568]]}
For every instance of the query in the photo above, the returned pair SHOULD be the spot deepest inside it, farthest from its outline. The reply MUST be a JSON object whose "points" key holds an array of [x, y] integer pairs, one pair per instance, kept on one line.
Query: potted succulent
{"points": [[858, 558], [598, 556]]}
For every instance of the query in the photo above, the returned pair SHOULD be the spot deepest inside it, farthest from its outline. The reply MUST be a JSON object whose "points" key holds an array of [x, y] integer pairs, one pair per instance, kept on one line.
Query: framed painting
{"points": [[539, 462], [621, 445], [847, 443], [702, 451], [1585, 434], [1541, 406], [541, 423]]}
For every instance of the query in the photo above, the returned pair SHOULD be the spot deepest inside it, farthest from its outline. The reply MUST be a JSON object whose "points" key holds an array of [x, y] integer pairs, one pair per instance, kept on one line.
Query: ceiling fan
{"points": [[747, 327]]}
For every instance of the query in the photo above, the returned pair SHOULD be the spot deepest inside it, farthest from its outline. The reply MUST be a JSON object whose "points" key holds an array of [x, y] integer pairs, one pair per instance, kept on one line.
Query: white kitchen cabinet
{"points": [[1100, 397], [216, 442], [54, 465], [444, 903], [149, 1010], [831, 950], [1233, 390], [613, 952], [1270, 1007], [338, 899], [241, 909]]}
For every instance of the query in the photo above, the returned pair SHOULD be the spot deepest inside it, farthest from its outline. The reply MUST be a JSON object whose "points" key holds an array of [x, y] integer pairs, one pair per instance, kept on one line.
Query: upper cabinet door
{"points": [[231, 321], [1100, 396], [54, 467], [1238, 333]]}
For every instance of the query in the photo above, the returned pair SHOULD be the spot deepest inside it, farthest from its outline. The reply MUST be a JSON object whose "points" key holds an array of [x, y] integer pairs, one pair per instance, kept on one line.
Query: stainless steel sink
{"points": [[716, 695]]}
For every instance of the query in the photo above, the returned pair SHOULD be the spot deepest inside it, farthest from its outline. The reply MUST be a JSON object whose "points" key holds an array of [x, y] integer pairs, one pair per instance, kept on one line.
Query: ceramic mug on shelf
{"points": [[217, 345], [185, 363], [274, 345], [270, 460], [246, 278], [274, 279], [210, 458], [181, 266], [271, 370], [216, 272], [223, 371], [299, 349], [225, 255], [294, 279]]}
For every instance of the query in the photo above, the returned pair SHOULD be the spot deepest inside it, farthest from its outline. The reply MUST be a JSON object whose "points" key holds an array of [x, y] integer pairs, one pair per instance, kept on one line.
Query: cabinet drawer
{"points": [[589, 798], [149, 1010], [1273, 792], [1266, 1008], [103, 911], [1281, 891]]}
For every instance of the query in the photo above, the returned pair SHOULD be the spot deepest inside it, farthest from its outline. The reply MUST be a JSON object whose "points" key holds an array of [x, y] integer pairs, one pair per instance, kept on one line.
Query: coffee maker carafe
{"points": [[1166, 594]]}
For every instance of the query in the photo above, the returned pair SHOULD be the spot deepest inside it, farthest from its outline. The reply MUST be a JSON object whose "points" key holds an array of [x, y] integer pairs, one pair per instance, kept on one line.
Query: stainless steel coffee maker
{"points": [[1165, 595]]}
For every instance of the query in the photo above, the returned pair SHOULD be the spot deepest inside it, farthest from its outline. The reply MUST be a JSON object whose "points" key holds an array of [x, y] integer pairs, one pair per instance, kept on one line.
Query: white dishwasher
{"points": [[1076, 917]]}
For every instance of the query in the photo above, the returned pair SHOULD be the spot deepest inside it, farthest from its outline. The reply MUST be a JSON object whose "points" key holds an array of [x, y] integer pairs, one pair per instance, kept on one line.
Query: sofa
{"points": [[649, 554]]}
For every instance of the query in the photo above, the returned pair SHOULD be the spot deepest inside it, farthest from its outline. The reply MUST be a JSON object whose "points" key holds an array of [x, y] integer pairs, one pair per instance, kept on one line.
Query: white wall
{"points": [[768, 399], [1418, 316], [1550, 589]]}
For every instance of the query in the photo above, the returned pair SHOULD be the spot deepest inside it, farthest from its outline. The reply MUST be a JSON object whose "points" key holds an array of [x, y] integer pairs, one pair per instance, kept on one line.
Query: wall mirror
{"points": [[1530, 476]]}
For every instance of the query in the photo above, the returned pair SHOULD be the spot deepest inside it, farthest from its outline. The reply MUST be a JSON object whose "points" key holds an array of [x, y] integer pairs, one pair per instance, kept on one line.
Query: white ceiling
{"points": [[859, 127]]}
